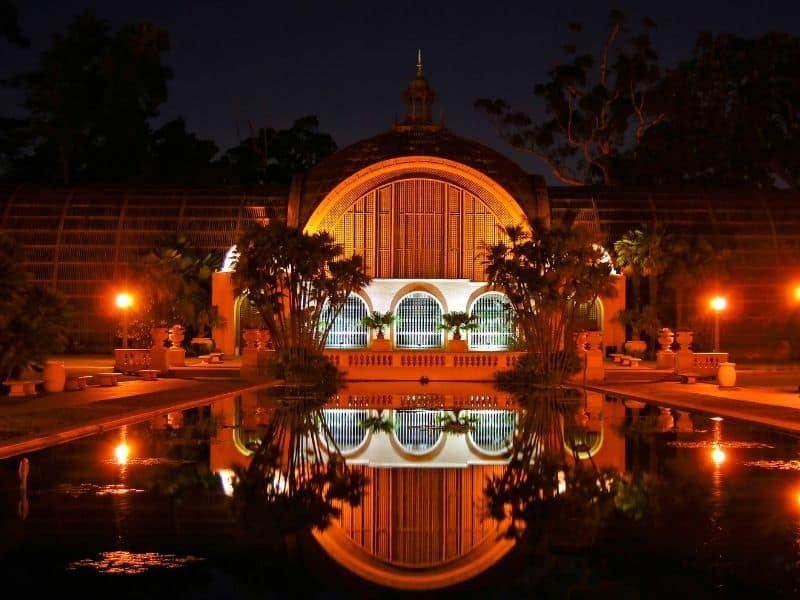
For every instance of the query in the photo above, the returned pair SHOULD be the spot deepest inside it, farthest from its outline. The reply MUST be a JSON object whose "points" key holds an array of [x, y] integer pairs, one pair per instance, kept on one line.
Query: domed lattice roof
{"points": [[528, 190]]}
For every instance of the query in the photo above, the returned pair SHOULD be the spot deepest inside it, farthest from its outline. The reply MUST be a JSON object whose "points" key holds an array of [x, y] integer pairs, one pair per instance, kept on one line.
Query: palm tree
{"points": [[641, 253], [458, 320], [291, 278], [378, 320]]}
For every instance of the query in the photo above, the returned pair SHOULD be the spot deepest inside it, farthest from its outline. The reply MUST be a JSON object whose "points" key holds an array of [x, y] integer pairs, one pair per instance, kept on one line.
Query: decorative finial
{"points": [[419, 62]]}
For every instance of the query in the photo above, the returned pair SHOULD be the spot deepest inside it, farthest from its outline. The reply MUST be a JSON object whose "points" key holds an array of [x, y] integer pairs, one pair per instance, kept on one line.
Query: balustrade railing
{"points": [[132, 360]]}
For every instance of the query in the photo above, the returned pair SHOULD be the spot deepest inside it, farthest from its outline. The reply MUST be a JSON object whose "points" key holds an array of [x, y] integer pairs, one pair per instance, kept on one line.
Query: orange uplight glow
{"points": [[121, 453], [717, 455], [797, 293], [124, 300], [719, 303]]}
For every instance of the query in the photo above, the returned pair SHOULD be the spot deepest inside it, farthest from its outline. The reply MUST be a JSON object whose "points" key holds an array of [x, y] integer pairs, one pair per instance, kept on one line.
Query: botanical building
{"points": [[420, 203]]}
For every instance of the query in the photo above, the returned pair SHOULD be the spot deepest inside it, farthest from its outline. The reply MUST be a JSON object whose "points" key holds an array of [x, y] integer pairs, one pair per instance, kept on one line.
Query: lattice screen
{"points": [[494, 429], [419, 228], [417, 430], [494, 322], [80, 240], [589, 316], [347, 330], [344, 427], [417, 325]]}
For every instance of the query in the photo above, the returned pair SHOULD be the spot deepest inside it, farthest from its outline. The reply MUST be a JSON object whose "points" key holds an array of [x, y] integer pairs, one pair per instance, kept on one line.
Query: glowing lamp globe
{"points": [[719, 303], [124, 300]]}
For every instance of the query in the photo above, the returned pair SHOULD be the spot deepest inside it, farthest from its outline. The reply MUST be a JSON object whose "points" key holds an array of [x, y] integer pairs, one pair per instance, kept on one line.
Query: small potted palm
{"points": [[376, 321], [457, 321]]}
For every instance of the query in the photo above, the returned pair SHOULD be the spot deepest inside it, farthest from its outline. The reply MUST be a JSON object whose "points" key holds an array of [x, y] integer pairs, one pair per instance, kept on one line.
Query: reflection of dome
{"points": [[418, 528]]}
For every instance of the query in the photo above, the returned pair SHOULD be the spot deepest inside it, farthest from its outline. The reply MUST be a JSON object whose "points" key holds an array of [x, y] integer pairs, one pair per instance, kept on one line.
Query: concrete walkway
{"points": [[33, 422], [766, 394]]}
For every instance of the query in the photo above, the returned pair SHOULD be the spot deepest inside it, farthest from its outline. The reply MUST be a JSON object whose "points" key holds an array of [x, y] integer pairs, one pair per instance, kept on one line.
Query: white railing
{"points": [[411, 365], [708, 362]]}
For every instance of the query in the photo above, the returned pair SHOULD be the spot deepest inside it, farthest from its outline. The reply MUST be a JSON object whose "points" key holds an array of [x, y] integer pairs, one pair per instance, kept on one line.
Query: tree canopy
{"points": [[33, 320], [594, 105], [548, 274], [90, 99], [273, 156], [291, 278], [90, 106], [726, 115]]}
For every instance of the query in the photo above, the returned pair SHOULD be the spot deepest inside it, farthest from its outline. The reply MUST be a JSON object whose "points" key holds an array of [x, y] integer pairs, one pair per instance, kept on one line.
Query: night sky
{"points": [[264, 63]]}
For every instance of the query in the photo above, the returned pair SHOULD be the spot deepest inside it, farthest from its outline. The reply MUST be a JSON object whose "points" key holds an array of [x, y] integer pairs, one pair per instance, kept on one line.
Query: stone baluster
{"points": [[684, 359], [595, 367]]}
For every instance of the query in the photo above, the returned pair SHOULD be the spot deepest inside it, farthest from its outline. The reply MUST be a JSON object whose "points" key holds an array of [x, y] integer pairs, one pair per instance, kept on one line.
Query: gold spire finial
{"points": [[419, 62]]}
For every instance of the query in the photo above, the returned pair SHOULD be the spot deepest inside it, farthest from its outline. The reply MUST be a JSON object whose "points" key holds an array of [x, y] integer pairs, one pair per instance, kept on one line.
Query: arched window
{"points": [[494, 320], [494, 429], [347, 330], [344, 427], [418, 431], [417, 325]]}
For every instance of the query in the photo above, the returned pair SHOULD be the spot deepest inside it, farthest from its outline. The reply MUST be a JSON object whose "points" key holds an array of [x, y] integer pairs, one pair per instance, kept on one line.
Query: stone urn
{"points": [[176, 334], [666, 339], [684, 340], [159, 336], [636, 347]]}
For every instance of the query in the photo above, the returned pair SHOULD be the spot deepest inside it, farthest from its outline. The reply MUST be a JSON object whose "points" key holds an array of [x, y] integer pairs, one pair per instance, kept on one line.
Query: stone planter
{"points": [[636, 347], [684, 339], [726, 374], [54, 376], [176, 334], [201, 345], [456, 345], [666, 338], [380, 345], [159, 335]]}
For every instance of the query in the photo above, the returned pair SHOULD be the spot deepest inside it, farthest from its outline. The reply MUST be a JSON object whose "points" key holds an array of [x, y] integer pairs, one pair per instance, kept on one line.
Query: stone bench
{"points": [[212, 358], [149, 374], [108, 379], [22, 387], [76, 383], [689, 377], [630, 361]]}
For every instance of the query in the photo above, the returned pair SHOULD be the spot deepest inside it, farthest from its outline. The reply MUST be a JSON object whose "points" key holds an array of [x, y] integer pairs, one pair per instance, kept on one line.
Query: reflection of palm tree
{"points": [[377, 423], [297, 475], [541, 481]]}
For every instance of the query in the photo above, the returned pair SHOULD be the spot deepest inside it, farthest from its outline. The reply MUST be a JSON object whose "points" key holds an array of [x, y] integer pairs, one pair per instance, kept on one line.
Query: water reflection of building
{"points": [[422, 523]]}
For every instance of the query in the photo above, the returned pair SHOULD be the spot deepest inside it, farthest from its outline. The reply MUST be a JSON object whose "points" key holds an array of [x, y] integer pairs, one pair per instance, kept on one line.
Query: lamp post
{"points": [[718, 304], [124, 302]]}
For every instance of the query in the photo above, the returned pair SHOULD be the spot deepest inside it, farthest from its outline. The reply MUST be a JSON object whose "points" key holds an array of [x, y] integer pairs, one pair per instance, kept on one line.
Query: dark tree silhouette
{"points": [[274, 156], [90, 99]]}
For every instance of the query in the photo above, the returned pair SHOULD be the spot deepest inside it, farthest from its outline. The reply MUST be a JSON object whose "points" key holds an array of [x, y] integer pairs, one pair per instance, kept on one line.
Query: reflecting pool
{"points": [[396, 487]]}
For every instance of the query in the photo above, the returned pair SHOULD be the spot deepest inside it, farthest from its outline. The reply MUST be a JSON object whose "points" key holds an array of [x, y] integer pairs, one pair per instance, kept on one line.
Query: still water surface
{"points": [[484, 493]]}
